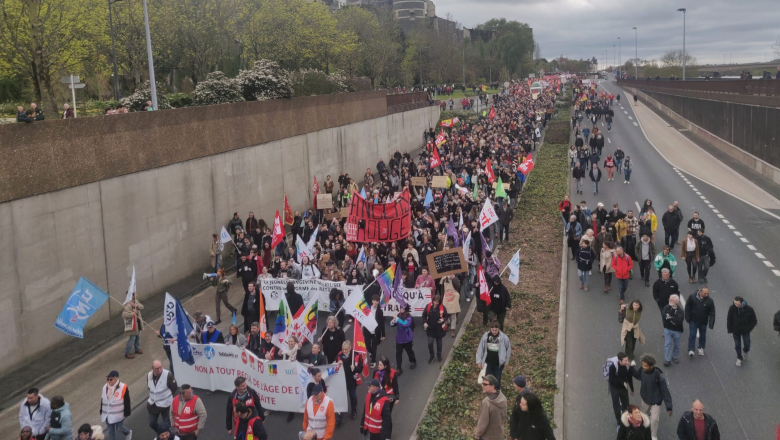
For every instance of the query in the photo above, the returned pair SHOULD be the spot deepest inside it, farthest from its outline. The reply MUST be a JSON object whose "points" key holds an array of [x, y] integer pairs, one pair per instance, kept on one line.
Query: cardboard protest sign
{"points": [[419, 181], [439, 181], [447, 262], [332, 215], [324, 201]]}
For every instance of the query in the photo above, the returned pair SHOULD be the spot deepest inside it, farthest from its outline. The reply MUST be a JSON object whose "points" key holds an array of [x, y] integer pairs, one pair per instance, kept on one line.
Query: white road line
{"points": [[702, 197], [720, 216], [751, 247], [637, 206], [726, 221], [732, 227], [776, 272], [630, 117], [706, 201], [744, 240], [625, 112], [716, 211], [636, 124], [768, 264], [711, 206], [690, 184], [737, 233], [346, 327], [609, 140], [760, 255], [602, 124], [697, 192]]}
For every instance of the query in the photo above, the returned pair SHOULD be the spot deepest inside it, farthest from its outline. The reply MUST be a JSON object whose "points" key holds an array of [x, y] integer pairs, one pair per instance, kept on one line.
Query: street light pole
{"points": [[614, 56], [152, 82], [113, 49], [620, 54], [636, 55], [684, 53]]}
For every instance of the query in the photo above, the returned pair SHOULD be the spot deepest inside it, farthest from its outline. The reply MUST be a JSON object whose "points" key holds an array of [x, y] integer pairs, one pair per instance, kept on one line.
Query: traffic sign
{"points": [[70, 79], [76, 86]]}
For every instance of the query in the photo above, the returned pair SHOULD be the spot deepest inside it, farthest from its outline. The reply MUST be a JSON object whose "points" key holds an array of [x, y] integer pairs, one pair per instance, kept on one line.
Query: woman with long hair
{"points": [[528, 419]]}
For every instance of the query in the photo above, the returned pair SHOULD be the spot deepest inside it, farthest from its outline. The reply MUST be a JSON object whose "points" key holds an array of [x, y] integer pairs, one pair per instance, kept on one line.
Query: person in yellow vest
{"points": [[162, 387], [115, 406], [319, 415], [188, 414], [249, 428], [377, 420]]}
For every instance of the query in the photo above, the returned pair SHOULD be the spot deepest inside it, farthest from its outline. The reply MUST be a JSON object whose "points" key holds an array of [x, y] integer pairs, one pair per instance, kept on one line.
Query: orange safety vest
{"points": [[249, 434], [373, 417], [186, 421], [250, 403]]}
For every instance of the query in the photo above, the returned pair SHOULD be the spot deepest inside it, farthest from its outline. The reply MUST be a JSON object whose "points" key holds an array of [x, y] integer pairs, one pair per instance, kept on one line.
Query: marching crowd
{"points": [[480, 161]]}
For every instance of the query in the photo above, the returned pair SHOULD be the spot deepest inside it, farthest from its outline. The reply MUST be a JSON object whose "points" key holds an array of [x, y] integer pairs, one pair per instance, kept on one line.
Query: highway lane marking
{"points": [[637, 205], [625, 112], [768, 264], [697, 192], [744, 240], [726, 221], [732, 227], [636, 124], [719, 215], [760, 255], [776, 272], [716, 211], [609, 140], [737, 233], [710, 206], [751, 247], [706, 201], [702, 197], [630, 117]]}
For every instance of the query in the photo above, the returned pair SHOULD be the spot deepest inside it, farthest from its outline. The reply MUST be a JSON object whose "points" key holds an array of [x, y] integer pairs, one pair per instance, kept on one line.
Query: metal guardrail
{"points": [[760, 87]]}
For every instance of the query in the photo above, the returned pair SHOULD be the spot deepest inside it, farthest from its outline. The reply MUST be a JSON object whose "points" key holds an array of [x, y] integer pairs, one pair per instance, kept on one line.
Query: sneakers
{"points": [[633, 363], [690, 353], [667, 363], [413, 366], [129, 436], [675, 360], [701, 352], [739, 363]]}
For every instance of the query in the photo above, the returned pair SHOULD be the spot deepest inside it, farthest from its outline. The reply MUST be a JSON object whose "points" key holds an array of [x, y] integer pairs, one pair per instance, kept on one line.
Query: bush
{"points": [[311, 82], [217, 89], [142, 94], [179, 100], [265, 81]]}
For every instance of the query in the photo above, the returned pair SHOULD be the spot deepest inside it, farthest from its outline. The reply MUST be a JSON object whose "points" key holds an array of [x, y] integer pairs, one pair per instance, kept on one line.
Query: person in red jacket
{"points": [[622, 264]]}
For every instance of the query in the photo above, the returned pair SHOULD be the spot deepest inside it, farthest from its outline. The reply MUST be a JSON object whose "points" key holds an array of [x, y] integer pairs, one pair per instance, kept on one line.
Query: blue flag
{"points": [[428, 198], [363, 192], [183, 330], [83, 302], [362, 255]]}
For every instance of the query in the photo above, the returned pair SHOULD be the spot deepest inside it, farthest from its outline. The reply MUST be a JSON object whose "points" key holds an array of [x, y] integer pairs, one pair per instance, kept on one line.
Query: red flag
{"points": [[359, 346], [489, 171], [289, 218], [526, 166], [278, 231], [435, 161], [492, 112], [315, 189], [484, 291], [440, 139]]}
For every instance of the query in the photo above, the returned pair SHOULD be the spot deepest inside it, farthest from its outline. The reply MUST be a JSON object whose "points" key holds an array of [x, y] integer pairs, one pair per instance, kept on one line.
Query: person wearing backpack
{"points": [[619, 380], [654, 391]]}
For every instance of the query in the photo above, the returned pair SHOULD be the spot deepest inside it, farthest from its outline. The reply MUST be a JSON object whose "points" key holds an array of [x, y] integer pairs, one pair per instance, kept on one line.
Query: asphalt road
{"points": [[742, 399], [415, 387]]}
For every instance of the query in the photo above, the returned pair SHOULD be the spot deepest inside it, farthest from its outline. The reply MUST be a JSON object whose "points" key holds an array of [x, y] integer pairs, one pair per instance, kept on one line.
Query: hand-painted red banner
{"points": [[369, 222]]}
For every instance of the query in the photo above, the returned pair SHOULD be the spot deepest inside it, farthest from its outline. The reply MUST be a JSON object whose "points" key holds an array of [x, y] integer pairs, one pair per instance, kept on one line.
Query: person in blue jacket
{"points": [[212, 335]]}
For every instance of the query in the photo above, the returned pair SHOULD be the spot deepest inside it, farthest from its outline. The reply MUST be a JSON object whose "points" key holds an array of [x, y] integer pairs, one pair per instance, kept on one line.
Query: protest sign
{"points": [[332, 215], [417, 299], [324, 201], [280, 384], [439, 181], [273, 290], [447, 262], [505, 185], [419, 181], [344, 212], [379, 222]]}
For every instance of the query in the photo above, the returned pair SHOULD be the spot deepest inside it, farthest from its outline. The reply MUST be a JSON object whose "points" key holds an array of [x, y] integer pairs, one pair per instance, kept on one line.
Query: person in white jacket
{"points": [[35, 412]]}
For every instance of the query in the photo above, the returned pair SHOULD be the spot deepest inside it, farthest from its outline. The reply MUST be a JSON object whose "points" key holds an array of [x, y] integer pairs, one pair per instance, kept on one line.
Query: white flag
{"points": [[466, 244], [302, 250], [488, 215], [514, 268], [460, 222], [357, 306], [313, 239], [130, 290], [224, 236], [169, 315]]}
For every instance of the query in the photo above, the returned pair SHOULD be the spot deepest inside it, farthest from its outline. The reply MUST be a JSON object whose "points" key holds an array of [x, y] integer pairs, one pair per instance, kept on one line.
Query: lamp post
{"points": [[614, 56], [113, 49], [636, 55], [620, 54], [152, 83], [683, 54]]}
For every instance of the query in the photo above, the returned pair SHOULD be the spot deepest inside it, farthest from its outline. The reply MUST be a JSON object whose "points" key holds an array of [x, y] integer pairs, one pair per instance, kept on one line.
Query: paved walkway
{"points": [[692, 159]]}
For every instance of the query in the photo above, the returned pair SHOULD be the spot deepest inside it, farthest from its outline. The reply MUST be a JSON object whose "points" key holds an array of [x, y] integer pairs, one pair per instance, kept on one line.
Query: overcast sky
{"points": [[742, 30]]}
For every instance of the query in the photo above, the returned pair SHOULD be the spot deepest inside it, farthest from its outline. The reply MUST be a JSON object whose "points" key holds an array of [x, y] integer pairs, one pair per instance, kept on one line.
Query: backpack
{"points": [[776, 321], [610, 361]]}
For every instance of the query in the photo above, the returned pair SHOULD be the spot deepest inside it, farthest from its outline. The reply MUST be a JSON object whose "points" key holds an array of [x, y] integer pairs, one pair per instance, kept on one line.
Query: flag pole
{"points": [[141, 319]]}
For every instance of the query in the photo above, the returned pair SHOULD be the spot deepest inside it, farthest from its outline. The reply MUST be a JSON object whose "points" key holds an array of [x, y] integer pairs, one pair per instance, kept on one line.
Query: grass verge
{"points": [[531, 324]]}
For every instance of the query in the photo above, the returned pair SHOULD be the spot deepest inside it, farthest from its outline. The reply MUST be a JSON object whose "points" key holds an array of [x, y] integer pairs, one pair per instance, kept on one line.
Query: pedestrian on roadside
{"points": [[377, 420], [635, 425], [695, 223], [451, 300], [243, 403], [628, 168], [188, 414], [500, 301], [630, 331], [249, 425], [212, 335], [493, 352], [585, 259], [90, 432], [133, 326], [706, 255], [319, 415], [332, 339], [609, 165], [61, 420], [740, 321], [528, 420], [115, 406], [690, 253], [605, 262], [35, 413], [654, 391], [578, 174], [573, 231], [353, 366], [665, 260], [250, 309], [619, 156], [673, 317], [374, 339], [164, 431], [699, 312], [622, 264], [162, 387], [492, 411], [234, 337], [696, 424], [620, 381]]}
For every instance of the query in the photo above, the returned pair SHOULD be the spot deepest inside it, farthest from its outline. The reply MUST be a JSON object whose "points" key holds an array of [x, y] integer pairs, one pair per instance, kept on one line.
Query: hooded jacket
{"points": [[741, 320], [504, 348], [61, 423], [500, 300], [492, 418], [686, 430], [628, 432]]}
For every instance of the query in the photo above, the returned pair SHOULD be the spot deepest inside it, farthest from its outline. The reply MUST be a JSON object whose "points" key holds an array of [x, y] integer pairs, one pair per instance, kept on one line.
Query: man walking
{"points": [[740, 321], [242, 397], [162, 387], [671, 222], [115, 406], [377, 420], [578, 173], [619, 383], [663, 288], [654, 391], [319, 415], [35, 413], [645, 251], [706, 251], [696, 424], [673, 318], [595, 176], [699, 311], [492, 411], [188, 413], [622, 264]]}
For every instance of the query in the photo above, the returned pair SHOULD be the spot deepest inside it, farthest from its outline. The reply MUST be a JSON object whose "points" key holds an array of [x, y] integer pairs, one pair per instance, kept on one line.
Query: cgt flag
{"points": [[435, 161], [526, 166], [360, 349], [488, 215], [440, 139], [289, 218], [492, 112], [278, 231], [484, 291], [491, 176], [83, 302], [446, 123]]}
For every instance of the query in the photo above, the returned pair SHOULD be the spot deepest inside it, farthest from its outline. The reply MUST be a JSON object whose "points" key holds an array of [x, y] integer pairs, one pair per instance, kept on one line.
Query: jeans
{"points": [[579, 185], [704, 267], [495, 370], [399, 351], [622, 286], [165, 414], [572, 163], [118, 426], [619, 401], [584, 277], [438, 340], [628, 175], [671, 344], [609, 126], [135, 337], [738, 340], [629, 344], [352, 391], [595, 186], [644, 269], [619, 163], [702, 328], [670, 238]]}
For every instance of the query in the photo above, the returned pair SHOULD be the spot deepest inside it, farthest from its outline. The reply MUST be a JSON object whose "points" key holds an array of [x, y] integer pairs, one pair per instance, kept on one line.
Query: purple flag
{"points": [[398, 289], [485, 246], [452, 232]]}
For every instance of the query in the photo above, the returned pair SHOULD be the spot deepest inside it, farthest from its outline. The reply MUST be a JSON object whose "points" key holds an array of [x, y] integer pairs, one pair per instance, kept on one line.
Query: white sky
{"points": [[743, 31]]}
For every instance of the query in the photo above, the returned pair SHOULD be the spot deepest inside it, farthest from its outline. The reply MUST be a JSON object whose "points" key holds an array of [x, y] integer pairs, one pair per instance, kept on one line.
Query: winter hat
{"points": [[519, 381], [163, 427], [374, 383], [316, 389]]}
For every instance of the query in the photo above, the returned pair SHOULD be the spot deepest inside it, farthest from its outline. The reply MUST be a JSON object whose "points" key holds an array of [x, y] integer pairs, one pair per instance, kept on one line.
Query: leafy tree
{"points": [[217, 89], [378, 43], [265, 81], [142, 95], [309, 82]]}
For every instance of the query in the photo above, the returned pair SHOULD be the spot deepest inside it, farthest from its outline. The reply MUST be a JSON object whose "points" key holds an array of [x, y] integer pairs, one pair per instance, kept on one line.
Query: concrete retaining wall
{"points": [[161, 220]]}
